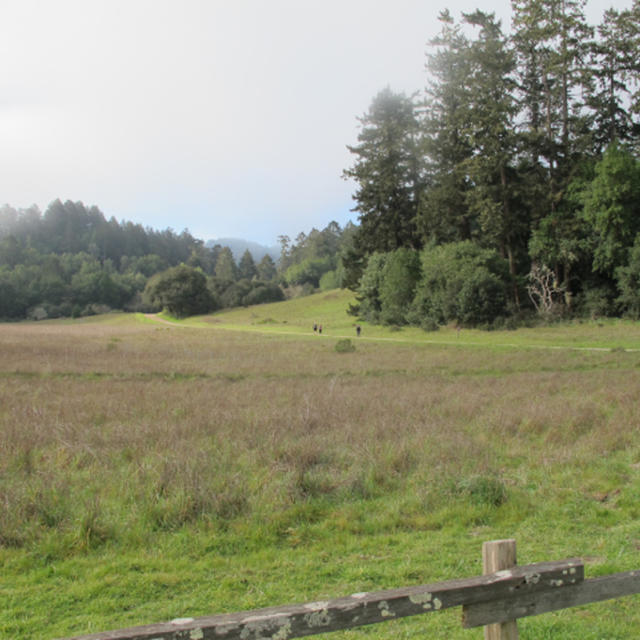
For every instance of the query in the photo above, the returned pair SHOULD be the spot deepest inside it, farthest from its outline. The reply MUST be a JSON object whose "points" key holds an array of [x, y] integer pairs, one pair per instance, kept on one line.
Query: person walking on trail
{"points": [[358, 330], [320, 329], [315, 327]]}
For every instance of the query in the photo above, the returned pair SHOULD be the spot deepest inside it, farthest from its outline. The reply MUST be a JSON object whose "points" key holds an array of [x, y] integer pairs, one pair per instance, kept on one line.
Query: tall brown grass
{"points": [[111, 431]]}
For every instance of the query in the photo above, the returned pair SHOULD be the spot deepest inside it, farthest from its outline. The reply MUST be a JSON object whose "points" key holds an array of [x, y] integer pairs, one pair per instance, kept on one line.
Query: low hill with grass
{"points": [[329, 308]]}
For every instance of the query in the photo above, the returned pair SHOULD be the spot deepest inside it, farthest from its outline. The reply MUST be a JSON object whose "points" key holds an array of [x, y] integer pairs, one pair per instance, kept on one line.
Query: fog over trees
{"points": [[72, 261]]}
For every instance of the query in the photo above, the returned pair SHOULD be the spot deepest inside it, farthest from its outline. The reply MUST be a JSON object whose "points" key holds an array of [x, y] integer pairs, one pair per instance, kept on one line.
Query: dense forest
{"points": [[511, 184], [72, 261]]}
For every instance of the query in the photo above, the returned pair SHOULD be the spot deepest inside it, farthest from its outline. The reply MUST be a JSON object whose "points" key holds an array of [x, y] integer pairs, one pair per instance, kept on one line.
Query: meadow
{"points": [[153, 469]]}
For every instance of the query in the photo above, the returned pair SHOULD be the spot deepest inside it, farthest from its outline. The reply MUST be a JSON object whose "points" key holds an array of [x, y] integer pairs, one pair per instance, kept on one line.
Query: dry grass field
{"points": [[366, 470]]}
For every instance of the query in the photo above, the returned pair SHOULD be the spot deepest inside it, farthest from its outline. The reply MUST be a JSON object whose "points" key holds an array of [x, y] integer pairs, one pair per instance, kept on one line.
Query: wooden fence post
{"points": [[496, 556]]}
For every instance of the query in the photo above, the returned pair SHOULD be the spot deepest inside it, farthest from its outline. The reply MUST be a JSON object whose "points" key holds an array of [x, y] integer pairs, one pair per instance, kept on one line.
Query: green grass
{"points": [[329, 309], [153, 468]]}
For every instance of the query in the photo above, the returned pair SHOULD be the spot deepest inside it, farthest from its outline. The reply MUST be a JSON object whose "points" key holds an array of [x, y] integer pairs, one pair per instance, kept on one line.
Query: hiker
{"points": [[358, 330], [320, 329], [315, 327]]}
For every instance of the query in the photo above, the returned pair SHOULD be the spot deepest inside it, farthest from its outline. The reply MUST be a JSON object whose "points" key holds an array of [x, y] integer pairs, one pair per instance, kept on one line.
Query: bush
{"points": [[369, 303], [263, 292], [460, 282], [181, 290], [37, 313], [596, 302], [481, 298], [429, 323], [345, 346], [628, 278], [234, 295], [329, 280], [95, 310], [308, 271], [400, 274]]}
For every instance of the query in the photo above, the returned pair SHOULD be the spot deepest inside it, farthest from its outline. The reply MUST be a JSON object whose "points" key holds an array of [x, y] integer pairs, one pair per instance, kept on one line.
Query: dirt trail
{"points": [[157, 318]]}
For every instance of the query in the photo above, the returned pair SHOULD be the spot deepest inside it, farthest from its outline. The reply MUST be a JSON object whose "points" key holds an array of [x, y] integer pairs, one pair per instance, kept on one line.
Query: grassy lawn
{"points": [[153, 469]]}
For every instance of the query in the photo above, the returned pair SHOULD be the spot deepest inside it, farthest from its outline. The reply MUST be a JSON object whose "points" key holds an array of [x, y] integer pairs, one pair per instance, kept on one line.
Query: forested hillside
{"points": [[511, 183], [72, 261]]}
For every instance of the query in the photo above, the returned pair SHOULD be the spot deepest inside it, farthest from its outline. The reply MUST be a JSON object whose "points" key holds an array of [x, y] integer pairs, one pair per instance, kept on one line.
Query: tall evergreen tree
{"points": [[614, 69], [226, 267], [387, 174], [444, 214], [612, 208], [247, 266], [267, 269], [490, 125], [551, 40]]}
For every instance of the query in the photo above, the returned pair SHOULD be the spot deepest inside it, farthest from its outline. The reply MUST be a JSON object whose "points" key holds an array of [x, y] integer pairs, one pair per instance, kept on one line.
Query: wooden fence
{"points": [[495, 600]]}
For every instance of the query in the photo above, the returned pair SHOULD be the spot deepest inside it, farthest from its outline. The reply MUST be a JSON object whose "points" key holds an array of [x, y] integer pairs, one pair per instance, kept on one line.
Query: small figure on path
{"points": [[358, 330], [315, 327], [320, 328]]}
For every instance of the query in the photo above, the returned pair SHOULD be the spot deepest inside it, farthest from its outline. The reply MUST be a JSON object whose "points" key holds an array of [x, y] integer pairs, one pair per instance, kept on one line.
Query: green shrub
{"points": [[329, 280], [369, 302], [345, 346], [429, 323], [461, 282], [400, 275], [181, 290], [597, 302], [262, 292], [481, 298], [628, 278], [234, 295], [308, 271]]}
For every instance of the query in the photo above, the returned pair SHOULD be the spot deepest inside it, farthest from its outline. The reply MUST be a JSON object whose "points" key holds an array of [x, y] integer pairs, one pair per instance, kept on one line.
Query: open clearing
{"points": [[153, 470]]}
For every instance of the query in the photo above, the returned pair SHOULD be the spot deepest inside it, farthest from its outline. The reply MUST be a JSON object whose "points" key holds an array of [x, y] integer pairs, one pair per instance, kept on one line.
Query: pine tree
{"points": [[552, 42], [226, 268], [267, 269], [444, 214], [387, 173], [614, 67], [247, 267], [490, 126], [612, 208]]}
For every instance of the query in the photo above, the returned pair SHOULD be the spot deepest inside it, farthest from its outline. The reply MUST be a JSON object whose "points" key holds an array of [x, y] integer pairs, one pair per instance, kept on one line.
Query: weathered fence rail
{"points": [[494, 600]]}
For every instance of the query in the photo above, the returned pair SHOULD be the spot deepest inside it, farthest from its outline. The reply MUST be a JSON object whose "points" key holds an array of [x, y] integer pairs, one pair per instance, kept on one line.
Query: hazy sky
{"points": [[226, 117]]}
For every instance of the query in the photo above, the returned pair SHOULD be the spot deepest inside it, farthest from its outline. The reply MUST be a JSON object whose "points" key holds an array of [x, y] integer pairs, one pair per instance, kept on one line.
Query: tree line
{"points": [[72, 261], [510, 183]]}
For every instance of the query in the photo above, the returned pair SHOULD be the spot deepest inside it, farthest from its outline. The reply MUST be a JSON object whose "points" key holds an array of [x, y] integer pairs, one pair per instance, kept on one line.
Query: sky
{"points": [[229, 118]]}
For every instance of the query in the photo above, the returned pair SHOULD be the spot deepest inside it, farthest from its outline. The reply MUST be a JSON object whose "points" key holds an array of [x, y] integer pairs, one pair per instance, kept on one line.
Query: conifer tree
{"points": [[387, 174], [247, 267], [615, 69], [490, 125], [444, 215], [226, 267], [267, 269]]}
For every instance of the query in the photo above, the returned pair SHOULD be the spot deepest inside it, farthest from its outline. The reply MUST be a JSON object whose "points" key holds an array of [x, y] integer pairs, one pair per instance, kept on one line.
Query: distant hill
{"points": [[239, 246]]}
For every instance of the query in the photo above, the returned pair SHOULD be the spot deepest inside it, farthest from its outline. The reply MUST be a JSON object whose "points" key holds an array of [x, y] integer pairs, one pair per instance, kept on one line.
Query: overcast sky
{"points": [[226, 117]]}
